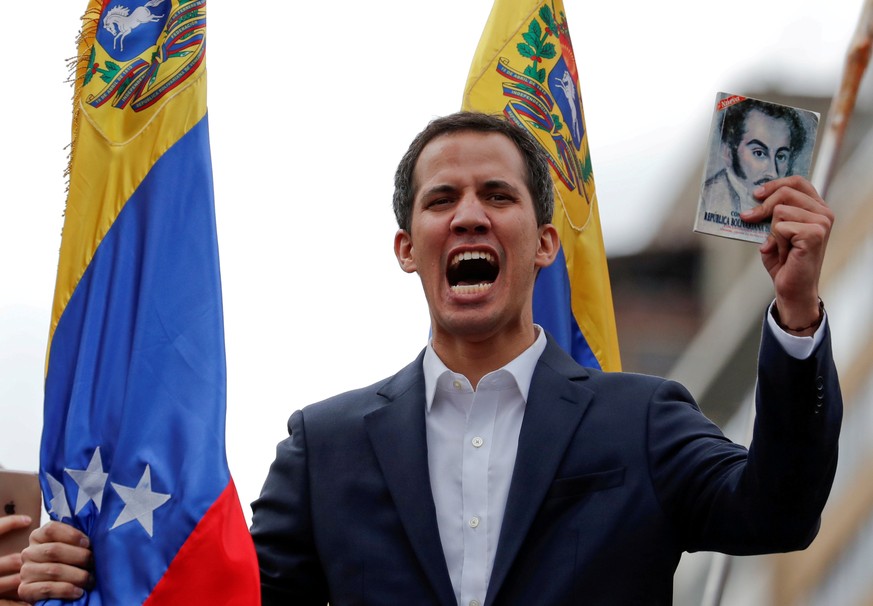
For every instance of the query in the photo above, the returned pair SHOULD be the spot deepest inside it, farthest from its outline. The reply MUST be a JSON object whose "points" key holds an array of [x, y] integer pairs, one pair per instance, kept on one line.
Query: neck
{"points": [[747, 201], [475, 357]]}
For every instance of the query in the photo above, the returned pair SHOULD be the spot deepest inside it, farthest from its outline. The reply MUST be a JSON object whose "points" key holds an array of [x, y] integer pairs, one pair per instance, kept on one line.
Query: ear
{"points": [[549, 243], [403, 251], [726, 156]]}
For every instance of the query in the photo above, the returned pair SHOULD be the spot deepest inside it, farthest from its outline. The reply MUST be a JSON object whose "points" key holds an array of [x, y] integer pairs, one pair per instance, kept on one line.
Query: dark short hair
{"points": [[538, 178], [734, 124]]}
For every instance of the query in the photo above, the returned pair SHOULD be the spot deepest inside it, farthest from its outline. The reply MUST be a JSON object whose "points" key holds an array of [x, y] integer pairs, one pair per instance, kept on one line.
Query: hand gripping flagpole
{"points": [[842, 106]]}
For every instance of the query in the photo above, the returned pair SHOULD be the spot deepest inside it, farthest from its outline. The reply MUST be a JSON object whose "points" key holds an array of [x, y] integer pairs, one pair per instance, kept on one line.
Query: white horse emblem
{"points": [[567, 86], [119, 21]]}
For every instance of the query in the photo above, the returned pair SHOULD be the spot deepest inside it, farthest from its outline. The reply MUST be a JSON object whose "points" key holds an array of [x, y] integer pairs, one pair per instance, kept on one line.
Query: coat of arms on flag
{"points": [[133, 449], [525, 69]]}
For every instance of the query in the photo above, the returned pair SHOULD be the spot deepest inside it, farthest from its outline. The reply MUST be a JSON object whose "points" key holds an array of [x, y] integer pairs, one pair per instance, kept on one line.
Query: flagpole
{"points": [[841, 109], [843, 104]]}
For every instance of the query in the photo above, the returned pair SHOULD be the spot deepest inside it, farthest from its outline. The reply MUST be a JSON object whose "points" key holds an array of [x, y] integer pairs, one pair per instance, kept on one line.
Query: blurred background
{"points": [[311, 106]]}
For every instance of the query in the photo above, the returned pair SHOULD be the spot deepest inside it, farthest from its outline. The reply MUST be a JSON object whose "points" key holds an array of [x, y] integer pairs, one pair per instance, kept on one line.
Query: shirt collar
{"points": [[746, 200], [521, 368]]}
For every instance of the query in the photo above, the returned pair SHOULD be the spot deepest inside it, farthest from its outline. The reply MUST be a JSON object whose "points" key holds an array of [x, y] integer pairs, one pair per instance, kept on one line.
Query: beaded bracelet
{"points": [[821, 311]]}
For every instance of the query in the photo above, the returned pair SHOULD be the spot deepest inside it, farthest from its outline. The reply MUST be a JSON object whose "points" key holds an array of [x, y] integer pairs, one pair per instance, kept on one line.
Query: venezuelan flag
{"points": [[524, 68], [133, 448]]}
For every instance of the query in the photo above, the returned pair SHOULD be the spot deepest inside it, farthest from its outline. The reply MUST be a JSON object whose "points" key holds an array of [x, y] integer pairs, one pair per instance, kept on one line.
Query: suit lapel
{"points": [[555, 407], [399, 439]]}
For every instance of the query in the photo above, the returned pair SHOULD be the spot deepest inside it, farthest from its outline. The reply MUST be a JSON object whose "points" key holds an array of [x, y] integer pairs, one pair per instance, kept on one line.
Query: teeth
{"points": [[470, 289], [472, 254]]}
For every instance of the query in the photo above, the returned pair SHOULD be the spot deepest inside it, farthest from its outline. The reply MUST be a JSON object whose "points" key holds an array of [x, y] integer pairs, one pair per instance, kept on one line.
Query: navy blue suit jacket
{"points": [[616, 476]]}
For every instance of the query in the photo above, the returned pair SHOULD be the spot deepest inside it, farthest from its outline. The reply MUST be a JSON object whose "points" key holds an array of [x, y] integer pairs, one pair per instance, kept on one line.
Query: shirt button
{"points": [[456, 384], [474, 522], [477, 441], [474, 603]]}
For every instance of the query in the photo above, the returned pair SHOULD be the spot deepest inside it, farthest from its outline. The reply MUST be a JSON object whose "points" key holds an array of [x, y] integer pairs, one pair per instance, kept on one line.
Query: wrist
{"points": [[800, 324]]}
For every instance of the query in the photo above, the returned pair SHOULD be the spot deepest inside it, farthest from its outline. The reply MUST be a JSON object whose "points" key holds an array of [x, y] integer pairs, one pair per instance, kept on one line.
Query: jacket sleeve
{"points": [[722, 497], [291, 572]]}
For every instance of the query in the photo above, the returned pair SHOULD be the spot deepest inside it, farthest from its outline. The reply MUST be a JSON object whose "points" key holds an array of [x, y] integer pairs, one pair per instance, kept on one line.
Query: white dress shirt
{"points": [[472, 440], [796, 347]]}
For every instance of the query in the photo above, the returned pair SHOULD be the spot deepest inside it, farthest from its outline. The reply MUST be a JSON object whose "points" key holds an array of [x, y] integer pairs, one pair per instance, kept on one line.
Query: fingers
{"points": [[800, 226], [10, 523], [56, 563], [57, 532], [35, 592], [799, 217], [792, 191], [797, 182], [798, 220], [45, 580], [10, 564]]}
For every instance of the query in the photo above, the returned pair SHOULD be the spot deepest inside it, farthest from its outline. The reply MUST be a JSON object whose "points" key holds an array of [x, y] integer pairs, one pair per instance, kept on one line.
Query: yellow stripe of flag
{"points": [[113, 150]]}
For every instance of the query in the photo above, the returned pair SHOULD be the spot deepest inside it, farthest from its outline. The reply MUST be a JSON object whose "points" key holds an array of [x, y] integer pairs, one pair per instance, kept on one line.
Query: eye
{"points": [[782, 156], [759, 153], [499, 197], [436, 202]]}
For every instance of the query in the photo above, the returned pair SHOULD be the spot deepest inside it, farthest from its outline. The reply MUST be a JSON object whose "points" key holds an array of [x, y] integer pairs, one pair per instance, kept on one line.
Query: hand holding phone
{"points": [[19, 495]]}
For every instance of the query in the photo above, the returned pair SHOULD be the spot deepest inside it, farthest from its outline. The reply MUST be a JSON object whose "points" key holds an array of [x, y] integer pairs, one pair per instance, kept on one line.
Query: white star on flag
{"points": [[139, 502], [91, 482], [58, 502]]}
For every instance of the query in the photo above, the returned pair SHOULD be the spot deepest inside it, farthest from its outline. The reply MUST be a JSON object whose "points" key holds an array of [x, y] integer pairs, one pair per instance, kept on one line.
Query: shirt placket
{"points": [[476, 452]]}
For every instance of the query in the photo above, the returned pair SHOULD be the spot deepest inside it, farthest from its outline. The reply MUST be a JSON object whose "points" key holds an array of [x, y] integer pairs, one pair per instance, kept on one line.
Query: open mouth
{"points": [[472, 271]]}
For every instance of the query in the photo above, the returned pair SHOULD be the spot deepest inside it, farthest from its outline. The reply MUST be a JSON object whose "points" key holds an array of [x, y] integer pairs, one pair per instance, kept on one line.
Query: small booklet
{"points": [[750, 142]]}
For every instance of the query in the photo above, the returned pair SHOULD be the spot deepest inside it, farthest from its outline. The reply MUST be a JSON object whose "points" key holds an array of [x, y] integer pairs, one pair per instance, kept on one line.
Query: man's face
{"points": [[764, 152], [474, 239]]}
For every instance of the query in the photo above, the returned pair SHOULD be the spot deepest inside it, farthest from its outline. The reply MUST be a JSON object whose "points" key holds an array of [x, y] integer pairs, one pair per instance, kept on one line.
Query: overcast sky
{"points": [[311, 106]]}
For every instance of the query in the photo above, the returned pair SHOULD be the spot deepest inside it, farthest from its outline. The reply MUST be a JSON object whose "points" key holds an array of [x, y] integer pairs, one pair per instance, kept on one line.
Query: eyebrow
{"points": [[439, 189], [500, 184], [489, 185], [759, 143]]}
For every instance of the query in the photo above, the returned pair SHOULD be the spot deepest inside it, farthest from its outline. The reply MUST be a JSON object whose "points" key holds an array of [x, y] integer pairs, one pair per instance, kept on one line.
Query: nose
{"points": [[772, 170], [470, 216]]}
